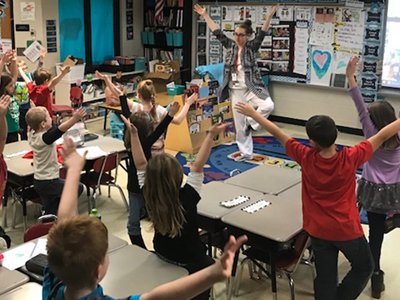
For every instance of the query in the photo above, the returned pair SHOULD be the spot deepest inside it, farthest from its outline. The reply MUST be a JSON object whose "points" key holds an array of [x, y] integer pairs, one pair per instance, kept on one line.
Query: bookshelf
{"points": [[171, 38]]}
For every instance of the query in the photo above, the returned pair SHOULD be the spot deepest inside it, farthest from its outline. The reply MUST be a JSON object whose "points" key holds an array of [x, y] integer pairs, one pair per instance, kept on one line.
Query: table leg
{"points": [[105, 121], [24, 210], [4, 214], [273, 275]]}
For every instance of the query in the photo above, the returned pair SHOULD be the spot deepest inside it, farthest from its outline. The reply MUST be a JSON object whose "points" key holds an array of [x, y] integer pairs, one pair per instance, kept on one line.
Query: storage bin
{"points": [[116, 126], [77, 72], [140, 64], [178, 39], [150, 37], [170, 38], [145, 37], [176, 90]]}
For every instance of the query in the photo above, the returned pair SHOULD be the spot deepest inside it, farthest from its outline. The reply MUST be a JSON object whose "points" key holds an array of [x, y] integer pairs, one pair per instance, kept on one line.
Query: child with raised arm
{"points": [[171, 207], [379, 187], [5, 101], [147, 136], [42, 138], [330, 214], [75, 272], [40, 92]]}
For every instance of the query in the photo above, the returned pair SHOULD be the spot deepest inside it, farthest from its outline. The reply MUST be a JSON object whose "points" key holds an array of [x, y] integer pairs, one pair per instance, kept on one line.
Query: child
{"points": [[147, 94], [172, 208], [379, 187], [7, 87], [330, 214], [42, 139], [40, 92], [147, 136], [5, 241], [81, 269]]}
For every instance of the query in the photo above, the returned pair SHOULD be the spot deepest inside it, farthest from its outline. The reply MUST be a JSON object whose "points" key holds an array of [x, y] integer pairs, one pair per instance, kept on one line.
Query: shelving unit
{"points": [[176, 19]]}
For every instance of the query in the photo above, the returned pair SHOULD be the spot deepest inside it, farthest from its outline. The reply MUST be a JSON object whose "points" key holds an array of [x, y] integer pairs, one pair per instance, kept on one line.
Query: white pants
{"points": [[263, 106]]}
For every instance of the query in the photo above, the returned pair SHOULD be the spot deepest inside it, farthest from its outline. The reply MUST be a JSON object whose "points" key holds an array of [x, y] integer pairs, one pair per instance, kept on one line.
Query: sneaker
{"points": [[243, 157]]}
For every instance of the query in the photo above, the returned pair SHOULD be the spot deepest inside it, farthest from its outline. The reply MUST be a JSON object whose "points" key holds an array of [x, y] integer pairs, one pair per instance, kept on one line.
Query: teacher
{"points": [[242, 78]]}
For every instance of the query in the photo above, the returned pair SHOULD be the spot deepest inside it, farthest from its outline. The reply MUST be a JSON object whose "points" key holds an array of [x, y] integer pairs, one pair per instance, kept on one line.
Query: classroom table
{"points": [[267, 179], [10, 279], [133, 270], [266, 228], [20, 170], [209, 209], [30, 290]]}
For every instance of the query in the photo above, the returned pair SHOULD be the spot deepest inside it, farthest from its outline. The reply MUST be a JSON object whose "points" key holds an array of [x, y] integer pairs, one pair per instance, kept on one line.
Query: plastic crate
{"points": [[140, 64], [117, 127], [176, 90]]}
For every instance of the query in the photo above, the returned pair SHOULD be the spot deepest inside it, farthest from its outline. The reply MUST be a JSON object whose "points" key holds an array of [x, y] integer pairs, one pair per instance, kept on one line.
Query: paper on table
{"points": [[17, 257], [93, 152]]}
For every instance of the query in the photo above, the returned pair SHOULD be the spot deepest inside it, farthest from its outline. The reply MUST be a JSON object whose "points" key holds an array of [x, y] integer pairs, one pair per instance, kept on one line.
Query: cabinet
{"points": [[190, 134], [96, 93], [171, 38]]}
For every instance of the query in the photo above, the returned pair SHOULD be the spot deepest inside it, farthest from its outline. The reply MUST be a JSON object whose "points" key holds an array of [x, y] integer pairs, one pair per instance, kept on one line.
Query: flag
{"points": [[159, 15]]}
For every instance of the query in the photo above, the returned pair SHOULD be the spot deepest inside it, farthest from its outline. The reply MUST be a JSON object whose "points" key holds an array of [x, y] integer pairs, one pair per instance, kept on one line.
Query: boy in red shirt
{"points": [[41, 91], [330, 215]]}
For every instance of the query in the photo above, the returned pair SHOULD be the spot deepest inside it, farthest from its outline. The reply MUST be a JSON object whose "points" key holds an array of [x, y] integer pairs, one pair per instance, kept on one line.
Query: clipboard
{"points": [[124, 106]]}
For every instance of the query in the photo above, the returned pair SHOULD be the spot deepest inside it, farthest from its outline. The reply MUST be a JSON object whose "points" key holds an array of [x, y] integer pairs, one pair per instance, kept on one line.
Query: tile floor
{"points": [[115, 215]]}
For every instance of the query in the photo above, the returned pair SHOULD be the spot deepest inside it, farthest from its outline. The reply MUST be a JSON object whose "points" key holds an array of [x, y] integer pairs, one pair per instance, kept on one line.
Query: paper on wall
{"points": [[321, 66], [27, 11], [301, 51], [33, 51], [321, 34]]}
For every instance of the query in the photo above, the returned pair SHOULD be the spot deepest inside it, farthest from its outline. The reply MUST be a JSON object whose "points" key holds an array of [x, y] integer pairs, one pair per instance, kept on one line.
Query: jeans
{"points": [[50, 193], [376, 224], [136, 203], [326, 253]]}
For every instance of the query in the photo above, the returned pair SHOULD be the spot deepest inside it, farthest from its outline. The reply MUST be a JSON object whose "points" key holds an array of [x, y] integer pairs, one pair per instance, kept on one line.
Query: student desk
{"points": [[209, 209], [10, 279], [267, 227], [30, 290], [267, 179], [20, 170], [133, 270]]}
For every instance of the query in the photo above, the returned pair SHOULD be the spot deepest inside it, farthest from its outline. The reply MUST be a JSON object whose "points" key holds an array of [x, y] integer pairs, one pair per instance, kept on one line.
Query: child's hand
{"points": [[21, 64], [218, 128], [245, 109], [70, 157], [352, 66], [226, 261], [6, 58], [132, 129], [79, 114], [192, 99], [200, 10], [100, 75], [173, 109], [32, 103], [5, 101], [65, 69]]}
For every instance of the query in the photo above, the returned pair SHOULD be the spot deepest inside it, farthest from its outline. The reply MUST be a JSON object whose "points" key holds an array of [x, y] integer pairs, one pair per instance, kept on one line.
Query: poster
{"points": [[27, 11], [349, 37], [322, 34], [340, 62], [301, 54], [321, 66]]}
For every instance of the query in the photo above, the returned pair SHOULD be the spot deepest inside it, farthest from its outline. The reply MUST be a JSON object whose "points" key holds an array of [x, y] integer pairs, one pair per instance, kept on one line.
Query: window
{"points": [[391, 60]]}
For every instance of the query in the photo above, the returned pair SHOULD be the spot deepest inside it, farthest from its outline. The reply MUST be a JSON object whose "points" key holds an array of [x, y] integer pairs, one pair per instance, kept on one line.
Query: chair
{"points": [[23, 195], [59, 111], [286, 263], [37, 230], [102, 175]]}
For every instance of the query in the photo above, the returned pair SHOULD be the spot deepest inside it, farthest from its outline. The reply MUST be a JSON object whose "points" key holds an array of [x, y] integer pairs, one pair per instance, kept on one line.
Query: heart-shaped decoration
{"points": [[321, 61]]}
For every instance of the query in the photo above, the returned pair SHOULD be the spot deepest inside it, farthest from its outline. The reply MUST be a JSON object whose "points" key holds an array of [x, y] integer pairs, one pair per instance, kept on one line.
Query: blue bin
{"points": [[145, 38], [116, 126], [177, 90], [178, 39], [140, 64], [151, 37], [170, 38]]}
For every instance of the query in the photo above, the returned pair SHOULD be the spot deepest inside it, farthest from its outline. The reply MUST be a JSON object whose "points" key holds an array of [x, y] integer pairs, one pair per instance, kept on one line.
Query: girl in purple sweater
{"points": [[379, 188]]}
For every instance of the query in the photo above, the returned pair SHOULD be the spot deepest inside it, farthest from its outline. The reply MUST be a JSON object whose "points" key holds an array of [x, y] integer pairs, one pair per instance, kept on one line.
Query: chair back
{"points": [[301, 243], [37, 230], [106, 164]]}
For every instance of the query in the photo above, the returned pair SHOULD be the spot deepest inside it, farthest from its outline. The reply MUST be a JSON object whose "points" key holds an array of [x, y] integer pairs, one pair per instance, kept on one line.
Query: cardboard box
{"points": [[161, 80]]}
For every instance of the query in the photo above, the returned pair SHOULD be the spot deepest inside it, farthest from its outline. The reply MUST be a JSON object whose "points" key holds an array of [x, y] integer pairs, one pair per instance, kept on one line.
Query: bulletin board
{"points": [[308, 42]]}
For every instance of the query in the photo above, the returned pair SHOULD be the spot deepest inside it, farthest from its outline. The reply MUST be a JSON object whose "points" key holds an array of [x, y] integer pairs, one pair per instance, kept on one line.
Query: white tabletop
{"points": [[280, 221], [213, 193], [30, 290], [267, 179], [115, 243], [10, 279], [19, 166], [133, 270]]}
